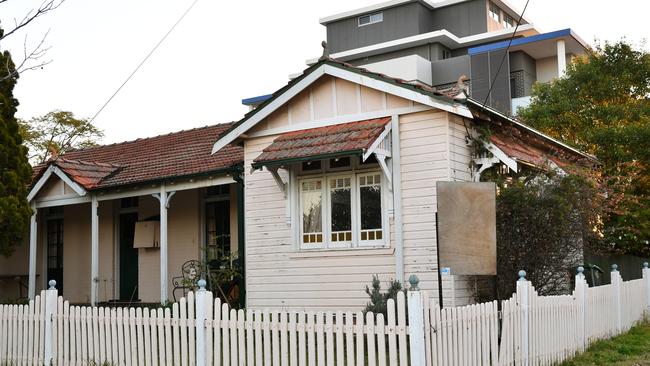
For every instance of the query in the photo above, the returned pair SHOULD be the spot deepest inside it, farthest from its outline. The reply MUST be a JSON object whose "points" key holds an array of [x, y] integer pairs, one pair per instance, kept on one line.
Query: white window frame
{"points": [[355, 171], [378, 18], [328, 208], [357, 228], [301, 220]]}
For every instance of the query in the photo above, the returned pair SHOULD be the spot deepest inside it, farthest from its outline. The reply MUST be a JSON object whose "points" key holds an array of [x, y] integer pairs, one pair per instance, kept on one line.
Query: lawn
{"points": [[631, 348]]}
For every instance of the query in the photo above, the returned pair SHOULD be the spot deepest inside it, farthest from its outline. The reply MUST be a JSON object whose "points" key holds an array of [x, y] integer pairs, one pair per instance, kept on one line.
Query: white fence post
{"points": [[646, 281], [523, 294], [581, 299], [203, 313], [616, 283], [416, 323], [50, 312]]}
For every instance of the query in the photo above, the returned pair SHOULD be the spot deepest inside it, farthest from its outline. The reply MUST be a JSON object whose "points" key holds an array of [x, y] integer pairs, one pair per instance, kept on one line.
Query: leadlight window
{"points": [[311, 198], [342, 210]]}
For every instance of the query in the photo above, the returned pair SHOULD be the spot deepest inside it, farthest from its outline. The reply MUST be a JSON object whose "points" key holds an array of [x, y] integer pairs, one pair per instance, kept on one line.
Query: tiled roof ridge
{"points": [[140, 139]]}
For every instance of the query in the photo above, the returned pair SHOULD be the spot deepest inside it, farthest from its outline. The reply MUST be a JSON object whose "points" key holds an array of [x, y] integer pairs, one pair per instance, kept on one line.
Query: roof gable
{"points": [[418, 93]]}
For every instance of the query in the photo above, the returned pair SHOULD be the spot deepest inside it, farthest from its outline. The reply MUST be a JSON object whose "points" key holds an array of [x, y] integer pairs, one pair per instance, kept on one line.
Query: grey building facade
{"points": [[438, 43]]}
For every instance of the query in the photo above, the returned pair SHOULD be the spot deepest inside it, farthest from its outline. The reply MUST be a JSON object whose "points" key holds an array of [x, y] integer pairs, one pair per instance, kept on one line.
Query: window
{"points": [[370, 19], [341, 209], [311, 200], [129, 202], [446, 54], [508, 21], [495, 13]]}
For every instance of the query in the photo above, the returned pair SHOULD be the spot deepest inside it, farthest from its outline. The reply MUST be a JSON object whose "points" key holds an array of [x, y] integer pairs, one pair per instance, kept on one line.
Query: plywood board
{"points": [[467, 227]]}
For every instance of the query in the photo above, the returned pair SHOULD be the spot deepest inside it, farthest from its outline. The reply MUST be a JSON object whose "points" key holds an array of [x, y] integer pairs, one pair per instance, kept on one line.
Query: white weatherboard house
{"points": [[330, 181], [340, 179]]}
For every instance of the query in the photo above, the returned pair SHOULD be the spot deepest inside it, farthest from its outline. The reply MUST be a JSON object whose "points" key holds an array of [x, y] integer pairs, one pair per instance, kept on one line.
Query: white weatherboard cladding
{"points": [[279, 275]]}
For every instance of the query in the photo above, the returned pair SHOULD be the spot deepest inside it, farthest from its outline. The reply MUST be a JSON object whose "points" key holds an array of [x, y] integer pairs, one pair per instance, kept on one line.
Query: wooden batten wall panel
{"points": [[346, 97], [323, 98], [371, 100], [299, 108]]}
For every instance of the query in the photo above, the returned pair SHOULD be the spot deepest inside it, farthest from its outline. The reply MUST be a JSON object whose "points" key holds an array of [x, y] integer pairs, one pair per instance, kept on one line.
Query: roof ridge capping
{"points": [[140, 139]]}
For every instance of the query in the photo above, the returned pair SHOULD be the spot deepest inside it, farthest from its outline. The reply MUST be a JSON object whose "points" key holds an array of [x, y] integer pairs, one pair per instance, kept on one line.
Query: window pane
{"points": [[341, 207], [311, 209], [370, 197]]}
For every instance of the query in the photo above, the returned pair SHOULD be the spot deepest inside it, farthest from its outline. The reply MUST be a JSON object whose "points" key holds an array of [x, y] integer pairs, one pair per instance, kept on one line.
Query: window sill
{"points": [[341, 252]]}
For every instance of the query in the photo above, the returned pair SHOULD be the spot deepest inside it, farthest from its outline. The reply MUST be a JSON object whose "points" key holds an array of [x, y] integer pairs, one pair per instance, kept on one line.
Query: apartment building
{"points": [[438, 43]]}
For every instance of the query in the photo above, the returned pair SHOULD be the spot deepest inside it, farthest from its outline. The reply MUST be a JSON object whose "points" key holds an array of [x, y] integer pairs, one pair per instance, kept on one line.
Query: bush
{"points": [[378, 300]]}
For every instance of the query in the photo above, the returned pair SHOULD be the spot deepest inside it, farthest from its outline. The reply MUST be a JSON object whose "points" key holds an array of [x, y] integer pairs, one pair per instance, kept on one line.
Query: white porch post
{"points": [[94, 250], [163, 244], [33, 232], [561, 58]]}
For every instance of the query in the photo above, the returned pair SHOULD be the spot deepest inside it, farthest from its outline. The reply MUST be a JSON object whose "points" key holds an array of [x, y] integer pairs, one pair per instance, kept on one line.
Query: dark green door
{"points": [[55, 252], [217, 220], [128, 258]]}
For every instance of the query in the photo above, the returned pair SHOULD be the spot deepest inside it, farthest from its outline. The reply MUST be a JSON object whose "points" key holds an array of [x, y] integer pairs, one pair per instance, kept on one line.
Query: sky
{"points": [[222, 52]]}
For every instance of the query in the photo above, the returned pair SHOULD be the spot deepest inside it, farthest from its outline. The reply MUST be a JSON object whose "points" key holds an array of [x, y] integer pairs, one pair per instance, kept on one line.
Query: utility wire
{"points": [[145, 59], [521, 16]]}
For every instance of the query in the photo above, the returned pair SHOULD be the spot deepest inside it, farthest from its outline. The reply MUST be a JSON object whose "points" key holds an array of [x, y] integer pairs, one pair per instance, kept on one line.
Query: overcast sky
{"points": [[223, 51]]}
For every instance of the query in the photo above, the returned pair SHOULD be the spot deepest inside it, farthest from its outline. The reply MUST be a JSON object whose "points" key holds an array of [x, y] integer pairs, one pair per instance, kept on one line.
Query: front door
{"points": [[217, 219], [128, 258], [55, 252]]}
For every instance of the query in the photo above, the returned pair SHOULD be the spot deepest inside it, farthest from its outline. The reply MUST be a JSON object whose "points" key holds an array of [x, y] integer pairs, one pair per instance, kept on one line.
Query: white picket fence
{"points": [[198, 330]]}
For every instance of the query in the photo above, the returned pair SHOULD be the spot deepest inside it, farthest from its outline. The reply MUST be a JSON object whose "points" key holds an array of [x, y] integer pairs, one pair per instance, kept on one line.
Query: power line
{"points": [[145, 59], [521, 16]]}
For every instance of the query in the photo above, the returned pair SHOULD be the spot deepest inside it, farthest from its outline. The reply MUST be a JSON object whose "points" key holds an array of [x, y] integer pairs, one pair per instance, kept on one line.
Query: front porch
{"points": [[86, 242]]}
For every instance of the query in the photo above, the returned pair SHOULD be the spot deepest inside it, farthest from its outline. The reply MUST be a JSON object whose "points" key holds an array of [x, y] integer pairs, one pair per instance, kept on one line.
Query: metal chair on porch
{"points": [[191, 271]]}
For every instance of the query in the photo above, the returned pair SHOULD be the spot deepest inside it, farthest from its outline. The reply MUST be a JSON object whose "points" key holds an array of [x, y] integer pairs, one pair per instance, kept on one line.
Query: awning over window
{"points": [[353, 138], [527, 152]]}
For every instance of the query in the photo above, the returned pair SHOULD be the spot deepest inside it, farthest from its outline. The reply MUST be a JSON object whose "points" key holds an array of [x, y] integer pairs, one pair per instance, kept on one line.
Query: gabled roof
{"points": [[342, 139], [87, 174], [419, 93], [180, 154]]}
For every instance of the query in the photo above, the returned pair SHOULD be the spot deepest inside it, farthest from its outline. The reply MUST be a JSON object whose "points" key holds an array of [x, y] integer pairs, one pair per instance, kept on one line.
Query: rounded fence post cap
{"points": [[522, 275], [645, 264], [52, 284], [615, 267], [414, 280], [201, 284], [581, 269]]}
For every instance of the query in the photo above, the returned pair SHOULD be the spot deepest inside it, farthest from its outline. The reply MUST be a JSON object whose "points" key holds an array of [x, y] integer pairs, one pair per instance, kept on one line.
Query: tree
{"points": [[602, 106], [544, 224], [57, 132], [32, 55], [15, 172]]}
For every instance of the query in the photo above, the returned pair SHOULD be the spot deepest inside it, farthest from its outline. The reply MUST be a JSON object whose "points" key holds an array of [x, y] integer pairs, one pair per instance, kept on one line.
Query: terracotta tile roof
{"points": [[527, 152], [180, 154], [349, 137], [87, 174]]}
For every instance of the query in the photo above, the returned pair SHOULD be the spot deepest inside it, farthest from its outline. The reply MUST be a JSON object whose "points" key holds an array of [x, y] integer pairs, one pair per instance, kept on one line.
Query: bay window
{"points": [[341, 209]]}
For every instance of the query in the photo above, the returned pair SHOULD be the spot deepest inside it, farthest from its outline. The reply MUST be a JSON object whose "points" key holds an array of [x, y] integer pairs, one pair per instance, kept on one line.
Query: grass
{"points": [[631, 348]]}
